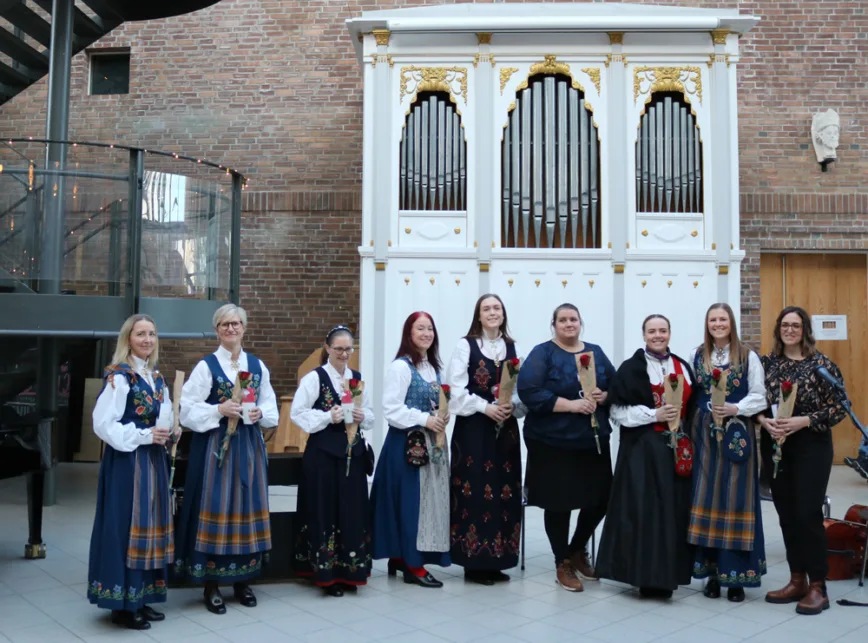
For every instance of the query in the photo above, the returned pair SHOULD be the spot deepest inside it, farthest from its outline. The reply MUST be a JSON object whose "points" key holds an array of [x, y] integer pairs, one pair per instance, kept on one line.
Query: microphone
{"points": [[823, 372]]}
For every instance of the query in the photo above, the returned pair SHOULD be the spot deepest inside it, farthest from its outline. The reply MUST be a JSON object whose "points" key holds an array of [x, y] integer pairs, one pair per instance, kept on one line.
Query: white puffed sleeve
{"points": [[632, 416], [196, 414], [755, 400], [107, 414], [368, 423], [302, 412], [166, 418], [395, 386], [267, 402]]}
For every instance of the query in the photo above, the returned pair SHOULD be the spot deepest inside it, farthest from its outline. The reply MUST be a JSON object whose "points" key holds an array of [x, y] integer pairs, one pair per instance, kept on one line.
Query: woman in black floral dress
{"points": [[805, 456]]}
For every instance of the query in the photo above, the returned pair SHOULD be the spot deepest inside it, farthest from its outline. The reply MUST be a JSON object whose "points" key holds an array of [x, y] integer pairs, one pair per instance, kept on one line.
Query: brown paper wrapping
{"points": [[786, 407], [353, 429], [587, 376], [507, 387], [442, 412], [237, 396], [718, 398], [674, 397], [176, 409]]}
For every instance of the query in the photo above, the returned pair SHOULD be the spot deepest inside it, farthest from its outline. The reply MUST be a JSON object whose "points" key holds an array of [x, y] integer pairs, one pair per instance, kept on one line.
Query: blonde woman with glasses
{"points": [[224, 526], [131, 545]]}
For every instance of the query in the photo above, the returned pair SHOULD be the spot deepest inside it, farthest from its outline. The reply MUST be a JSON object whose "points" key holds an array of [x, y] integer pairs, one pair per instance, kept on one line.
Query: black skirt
{"points": [[644, 540], [561, 479]]}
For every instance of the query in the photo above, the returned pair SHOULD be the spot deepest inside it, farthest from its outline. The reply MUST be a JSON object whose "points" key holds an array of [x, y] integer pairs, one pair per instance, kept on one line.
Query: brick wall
{"points": [[273, 88]]}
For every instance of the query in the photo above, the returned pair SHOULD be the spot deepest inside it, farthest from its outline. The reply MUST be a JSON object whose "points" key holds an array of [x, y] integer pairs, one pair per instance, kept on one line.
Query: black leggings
{"points": [[557, 525]]}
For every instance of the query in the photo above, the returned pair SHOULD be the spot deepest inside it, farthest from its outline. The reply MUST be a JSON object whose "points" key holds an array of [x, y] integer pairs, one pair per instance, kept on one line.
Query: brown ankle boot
{"points": [[566, 577], [816, 600], [793, 591]]}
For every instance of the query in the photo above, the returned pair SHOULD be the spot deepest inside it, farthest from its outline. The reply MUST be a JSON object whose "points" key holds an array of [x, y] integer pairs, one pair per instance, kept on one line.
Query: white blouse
{"points": [[313, 420], [461, 401], [395, 386], [112, 402], [755, 400], [199, 416], [640, 415]]}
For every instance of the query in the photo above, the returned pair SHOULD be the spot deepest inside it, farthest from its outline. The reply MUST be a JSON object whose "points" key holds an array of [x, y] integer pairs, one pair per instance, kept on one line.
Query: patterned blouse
{"points": [[814, 397]]}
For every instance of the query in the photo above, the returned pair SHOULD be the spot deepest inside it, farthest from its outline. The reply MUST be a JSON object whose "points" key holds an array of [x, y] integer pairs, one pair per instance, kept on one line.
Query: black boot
{"points": [[334, 589], [130, 620], [712, 588], [478, 577], [735, 594], [244, 594], [151, 614], [214, 599]]}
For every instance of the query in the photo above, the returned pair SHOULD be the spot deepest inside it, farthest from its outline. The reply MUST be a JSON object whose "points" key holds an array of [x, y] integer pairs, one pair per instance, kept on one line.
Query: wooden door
{"points": [[824, 284]]}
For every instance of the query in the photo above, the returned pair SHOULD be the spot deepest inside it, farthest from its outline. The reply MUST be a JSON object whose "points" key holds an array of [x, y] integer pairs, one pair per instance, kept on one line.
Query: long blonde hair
{"points": [[737, 351], [122, 352]]}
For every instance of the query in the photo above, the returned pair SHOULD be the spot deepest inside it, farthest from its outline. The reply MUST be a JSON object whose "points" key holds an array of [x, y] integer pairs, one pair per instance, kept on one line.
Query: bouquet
{"points": [[503, 391], [443, 412], [673, 395], [243, 383], [719, 381], [175, 437], [786, 407], [588, 379], [355, 388]]}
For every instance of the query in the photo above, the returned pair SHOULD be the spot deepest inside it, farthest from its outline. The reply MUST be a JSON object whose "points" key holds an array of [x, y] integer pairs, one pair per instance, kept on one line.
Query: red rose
{"points": [[673, 379], [354, 383], [515, 361], [445, 388], [715, 374], [585, 360], [786, 387]]}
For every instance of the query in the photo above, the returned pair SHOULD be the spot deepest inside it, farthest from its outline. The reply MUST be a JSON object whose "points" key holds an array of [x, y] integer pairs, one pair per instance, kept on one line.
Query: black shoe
{"points": [[498, 577], [480, 578], [130, 620], [214, 601], [352, 589], [735, 594], [712, 588], [151, 614], [244, 594], [765, 493], [334, 590], [654, 592], [423, 581], [859, 465], [394, 568]]}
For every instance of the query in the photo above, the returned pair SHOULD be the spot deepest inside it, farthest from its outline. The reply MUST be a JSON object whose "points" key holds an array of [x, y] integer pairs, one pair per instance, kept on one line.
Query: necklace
{"points": [[659, 360], [719, 354], [492, 346]]}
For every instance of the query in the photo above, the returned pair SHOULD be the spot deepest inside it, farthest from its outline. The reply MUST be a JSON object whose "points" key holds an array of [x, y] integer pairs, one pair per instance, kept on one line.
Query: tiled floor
{"points": [[44, 601]]}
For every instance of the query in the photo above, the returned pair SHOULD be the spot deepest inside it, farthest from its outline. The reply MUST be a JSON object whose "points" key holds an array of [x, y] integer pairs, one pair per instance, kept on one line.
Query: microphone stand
{"points": [[845, 402]]}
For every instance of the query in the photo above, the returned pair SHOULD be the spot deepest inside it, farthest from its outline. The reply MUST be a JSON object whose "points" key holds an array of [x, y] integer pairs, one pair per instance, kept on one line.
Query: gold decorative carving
{"points": [[616, 37], [484, 267], [549, 67], [407, 281], [723, 269], [644, 283], [505, 74], [669, 284], [390, 243], [510, 282], [628, 245], [594, 74], [714, 246], [615, 58], [457, 230], [644, 233], [475, 244], [591, 283], [382, 36], [564, 283], [718, 36], [435, 79], [536, 281], [372, 243], [408, 230], [718, 58], [694, 233], [483, 38], [476, 61], [382, 58], [647, 80], [619, 269], [380, 265], [457, 282], [431, 280], [695, 284], [610, 244]]}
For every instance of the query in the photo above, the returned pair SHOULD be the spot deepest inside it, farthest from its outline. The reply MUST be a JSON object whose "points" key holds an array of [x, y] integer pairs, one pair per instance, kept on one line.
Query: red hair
{"points": [[408, 348]]}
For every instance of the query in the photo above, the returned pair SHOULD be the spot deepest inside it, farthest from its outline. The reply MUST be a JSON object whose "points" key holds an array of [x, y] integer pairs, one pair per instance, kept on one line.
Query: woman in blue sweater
{"points": [[569, 465]]}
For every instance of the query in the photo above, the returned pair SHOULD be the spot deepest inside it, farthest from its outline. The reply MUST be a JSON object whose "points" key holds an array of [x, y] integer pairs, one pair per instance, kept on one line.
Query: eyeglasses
{"points": [[342, 351], [235, 325], [789, 326]]}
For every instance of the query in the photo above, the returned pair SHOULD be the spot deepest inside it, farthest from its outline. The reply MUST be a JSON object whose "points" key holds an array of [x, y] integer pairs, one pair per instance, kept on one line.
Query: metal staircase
{"points": [[25, 38]]}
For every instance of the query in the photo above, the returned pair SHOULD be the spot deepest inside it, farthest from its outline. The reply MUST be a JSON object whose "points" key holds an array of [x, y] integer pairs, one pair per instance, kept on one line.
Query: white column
{"points": [[484, 202], [616, 149], [721, 161], [381, 219]]}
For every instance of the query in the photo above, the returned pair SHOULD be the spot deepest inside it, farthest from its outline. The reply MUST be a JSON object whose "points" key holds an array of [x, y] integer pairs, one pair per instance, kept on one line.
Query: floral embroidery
{"points": [[456, 481], [482, 376], [486, 517], [328, 398], [132, 594], [506, 494], [210, 569], [489, 494], [507, 466], [489, 465], [466, 490], [468, 461]]}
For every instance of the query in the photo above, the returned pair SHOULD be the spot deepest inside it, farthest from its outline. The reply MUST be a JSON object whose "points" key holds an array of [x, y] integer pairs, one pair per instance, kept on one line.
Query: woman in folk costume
{"points": [[410, 494], [644, 540], [131, 546], [224, 526], [806, 452], [725, 516], [486, 451], [333, 544], [569, 462]]}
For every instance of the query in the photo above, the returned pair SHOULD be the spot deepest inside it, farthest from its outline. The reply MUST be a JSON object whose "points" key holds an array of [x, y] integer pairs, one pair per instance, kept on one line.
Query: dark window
{"points": [[109, 73]]}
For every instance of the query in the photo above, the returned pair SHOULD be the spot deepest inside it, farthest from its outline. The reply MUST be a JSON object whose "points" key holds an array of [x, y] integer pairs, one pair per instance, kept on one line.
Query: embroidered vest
{"points": [[143, 402], [221, 385], [482, 374], [421, 395], [736, 385], [333, 438]]}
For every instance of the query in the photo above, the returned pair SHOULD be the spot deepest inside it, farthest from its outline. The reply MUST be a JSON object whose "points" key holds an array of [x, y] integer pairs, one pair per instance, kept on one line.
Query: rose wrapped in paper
{"points": [[719, 380], [356, 388], [587, 367], [176, 430], [786, 408], [443, 412], [673, 395], [243, 382], [504, 390]]}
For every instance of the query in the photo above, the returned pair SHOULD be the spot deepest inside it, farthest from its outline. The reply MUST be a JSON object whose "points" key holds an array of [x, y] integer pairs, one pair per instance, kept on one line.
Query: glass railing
{"points": [[163, 224]]}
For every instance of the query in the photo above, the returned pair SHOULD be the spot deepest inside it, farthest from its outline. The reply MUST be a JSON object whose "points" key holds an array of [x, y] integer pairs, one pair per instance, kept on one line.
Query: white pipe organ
{"points": [[549, 153]]}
